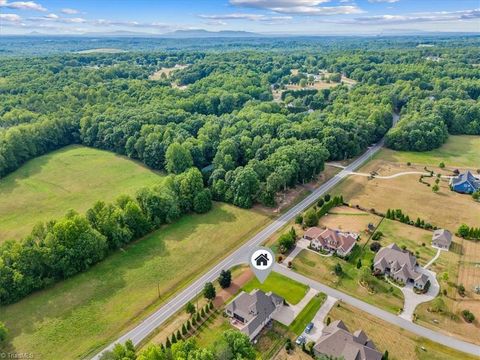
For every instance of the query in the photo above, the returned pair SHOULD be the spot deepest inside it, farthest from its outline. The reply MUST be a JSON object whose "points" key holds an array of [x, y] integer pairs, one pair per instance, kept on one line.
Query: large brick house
{"points": [[330, 240]]}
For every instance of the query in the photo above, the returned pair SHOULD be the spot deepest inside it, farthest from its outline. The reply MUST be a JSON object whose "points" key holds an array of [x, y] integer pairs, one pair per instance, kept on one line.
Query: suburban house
{"points": [[442, 239], [331, 240], [250, 312], [400, 265], [337, 341], [465, 183]]}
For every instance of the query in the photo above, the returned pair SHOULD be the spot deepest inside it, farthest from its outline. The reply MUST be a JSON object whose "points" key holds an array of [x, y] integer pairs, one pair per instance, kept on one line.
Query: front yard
{"points": [[290, 290], [320, 268]]}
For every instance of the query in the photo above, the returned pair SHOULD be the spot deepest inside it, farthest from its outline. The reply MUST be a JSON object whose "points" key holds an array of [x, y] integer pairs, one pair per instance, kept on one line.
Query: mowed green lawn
{"points": [[458, 151], [307, 314], [289, 289], [70, 178], [79, 316]]}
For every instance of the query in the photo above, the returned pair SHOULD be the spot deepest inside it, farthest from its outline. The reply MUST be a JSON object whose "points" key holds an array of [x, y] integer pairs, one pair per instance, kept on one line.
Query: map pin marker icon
{"points": [[261, 262]]}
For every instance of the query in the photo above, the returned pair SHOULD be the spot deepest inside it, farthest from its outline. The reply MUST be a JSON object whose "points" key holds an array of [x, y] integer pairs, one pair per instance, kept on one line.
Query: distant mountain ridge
{"points": [[202, 33]]}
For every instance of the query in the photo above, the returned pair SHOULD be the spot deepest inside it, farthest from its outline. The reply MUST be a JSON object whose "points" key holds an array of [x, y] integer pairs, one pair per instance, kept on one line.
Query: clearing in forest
{"points": [[74, 177]]}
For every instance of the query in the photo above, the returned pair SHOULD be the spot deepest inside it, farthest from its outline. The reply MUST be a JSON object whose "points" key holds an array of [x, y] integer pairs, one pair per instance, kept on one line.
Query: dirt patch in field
{"points": [[157, 75], [225, 294]]}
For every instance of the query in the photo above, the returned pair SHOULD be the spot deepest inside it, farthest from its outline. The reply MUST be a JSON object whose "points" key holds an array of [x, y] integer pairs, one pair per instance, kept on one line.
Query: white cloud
{"points": [[22, 5], [420, 17], [52, 16], [383, 1], [69, 11], [276, 3], [242, 16], [14, 18], [299, 7]]}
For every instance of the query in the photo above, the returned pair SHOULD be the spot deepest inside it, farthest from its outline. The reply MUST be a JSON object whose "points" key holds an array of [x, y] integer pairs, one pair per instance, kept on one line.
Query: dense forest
{"points": [[216, 127]]}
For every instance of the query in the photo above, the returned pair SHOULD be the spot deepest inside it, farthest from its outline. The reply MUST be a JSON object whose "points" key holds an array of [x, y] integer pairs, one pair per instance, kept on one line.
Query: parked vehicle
{"points": [[309, 328], [301, 340]]}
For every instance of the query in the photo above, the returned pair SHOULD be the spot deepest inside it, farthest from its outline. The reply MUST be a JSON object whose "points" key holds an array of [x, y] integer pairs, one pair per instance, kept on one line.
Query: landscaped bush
{"points": [[375, 246], [468, 316]]}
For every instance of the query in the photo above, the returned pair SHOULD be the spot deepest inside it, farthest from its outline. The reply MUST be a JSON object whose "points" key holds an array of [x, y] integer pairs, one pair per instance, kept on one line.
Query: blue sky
{"points": [[319, 17]]}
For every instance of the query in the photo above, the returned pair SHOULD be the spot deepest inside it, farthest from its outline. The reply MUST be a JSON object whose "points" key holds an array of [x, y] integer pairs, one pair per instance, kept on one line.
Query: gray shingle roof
{"points": [[442, 236], [337, 341], [255, 307]]}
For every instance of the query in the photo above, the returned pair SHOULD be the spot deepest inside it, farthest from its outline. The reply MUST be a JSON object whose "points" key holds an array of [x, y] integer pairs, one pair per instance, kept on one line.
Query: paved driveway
{"points": [[287, 313], [412, 300], [319, 319]]}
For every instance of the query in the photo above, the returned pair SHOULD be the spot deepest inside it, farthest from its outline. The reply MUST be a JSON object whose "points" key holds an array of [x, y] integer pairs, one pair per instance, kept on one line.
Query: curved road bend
{"points": [[142, 330], [382, 314]]}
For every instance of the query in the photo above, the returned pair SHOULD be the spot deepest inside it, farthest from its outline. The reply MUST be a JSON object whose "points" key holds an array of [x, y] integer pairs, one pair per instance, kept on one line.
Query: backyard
{"points": [[459, 266]]}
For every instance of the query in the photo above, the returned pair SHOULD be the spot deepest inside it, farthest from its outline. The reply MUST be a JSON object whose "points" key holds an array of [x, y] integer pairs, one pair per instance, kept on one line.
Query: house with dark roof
{"points": [[337, 341], [250, 312], [400, 265], [465, 183], [442, 239], [331, 240]]}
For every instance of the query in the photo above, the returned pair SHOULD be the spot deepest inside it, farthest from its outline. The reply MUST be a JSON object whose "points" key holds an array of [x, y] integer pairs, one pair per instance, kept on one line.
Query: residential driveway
{"points": [[287, 313], [319, 319], [412, 300], [299, 246]]}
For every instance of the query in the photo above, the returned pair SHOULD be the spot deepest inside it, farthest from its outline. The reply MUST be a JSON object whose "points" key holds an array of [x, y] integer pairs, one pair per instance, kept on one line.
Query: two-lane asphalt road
{"points": [[142, 330], [382, 314]]}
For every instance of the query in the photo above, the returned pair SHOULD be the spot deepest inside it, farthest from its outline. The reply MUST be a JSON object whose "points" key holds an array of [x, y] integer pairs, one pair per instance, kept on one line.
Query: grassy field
{"points": [[459, 266], [287, 288], [320, 268], [446, 208], [71, 178], [459, 151], [307, 314], [400, 343], [77, 317]]}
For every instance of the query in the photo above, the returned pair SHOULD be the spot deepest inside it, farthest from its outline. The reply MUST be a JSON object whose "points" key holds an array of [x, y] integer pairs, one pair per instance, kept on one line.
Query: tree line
{"points": [[59, 249], [231, 345]]}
